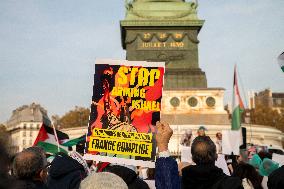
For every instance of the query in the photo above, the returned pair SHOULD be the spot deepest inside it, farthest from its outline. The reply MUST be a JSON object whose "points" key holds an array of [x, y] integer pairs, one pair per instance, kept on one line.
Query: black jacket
{"points": [[208, 177], [129, 176], [26, 184], [5, 181], [276, 179], [65, 173]]}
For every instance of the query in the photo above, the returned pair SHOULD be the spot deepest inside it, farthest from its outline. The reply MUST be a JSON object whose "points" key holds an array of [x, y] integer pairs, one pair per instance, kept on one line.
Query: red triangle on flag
{"points": [[42, 135]]}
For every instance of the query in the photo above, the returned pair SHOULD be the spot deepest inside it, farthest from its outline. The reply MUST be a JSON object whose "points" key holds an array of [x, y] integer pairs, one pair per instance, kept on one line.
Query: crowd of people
{"points": [[31, 169]]}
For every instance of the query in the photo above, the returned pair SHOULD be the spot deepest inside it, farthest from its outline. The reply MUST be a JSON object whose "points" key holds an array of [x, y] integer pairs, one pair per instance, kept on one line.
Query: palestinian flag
{"points": [[75, 141], [48, 139], [79, 144], [281, 61], [237, 106]]}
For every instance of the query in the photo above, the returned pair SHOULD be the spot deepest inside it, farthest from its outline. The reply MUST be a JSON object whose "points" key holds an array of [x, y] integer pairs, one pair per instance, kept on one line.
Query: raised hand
{"points": [[164, 133]]}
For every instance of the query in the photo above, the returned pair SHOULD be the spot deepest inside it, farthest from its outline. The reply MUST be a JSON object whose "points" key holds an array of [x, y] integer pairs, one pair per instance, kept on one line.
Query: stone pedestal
{"points": [[203, 106]]}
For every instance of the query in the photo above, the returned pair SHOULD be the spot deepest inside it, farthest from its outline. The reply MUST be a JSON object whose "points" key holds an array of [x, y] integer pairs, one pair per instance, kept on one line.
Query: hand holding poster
{"points": [[126, 105]]}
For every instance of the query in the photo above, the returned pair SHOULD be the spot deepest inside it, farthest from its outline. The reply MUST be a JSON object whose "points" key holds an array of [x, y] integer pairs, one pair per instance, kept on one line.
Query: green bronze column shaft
{"points": [[165, 30]]}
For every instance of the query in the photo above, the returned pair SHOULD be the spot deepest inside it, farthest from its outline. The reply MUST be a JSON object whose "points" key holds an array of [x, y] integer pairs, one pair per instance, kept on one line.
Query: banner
{"points": [[185, 154], [222, 164], [231, 141], [126, 105]]}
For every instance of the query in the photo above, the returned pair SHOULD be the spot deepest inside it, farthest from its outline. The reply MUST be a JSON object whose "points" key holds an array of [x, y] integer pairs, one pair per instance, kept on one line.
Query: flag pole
{"points": [[246, 103], [55, 134]]}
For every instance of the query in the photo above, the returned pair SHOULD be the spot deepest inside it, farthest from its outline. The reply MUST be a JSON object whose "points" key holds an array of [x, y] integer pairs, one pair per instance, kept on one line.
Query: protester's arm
{"points": [[166, 175]]}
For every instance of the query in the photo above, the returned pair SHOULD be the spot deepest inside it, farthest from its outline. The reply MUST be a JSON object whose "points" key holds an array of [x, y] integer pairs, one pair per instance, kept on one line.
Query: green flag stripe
{"points": [[51, 148], [73, 142], [236, 118], [282, 68]]}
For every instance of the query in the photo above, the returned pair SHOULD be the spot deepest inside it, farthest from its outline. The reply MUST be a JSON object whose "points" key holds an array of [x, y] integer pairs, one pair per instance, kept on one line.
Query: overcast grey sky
{"points": [[48, 48]]}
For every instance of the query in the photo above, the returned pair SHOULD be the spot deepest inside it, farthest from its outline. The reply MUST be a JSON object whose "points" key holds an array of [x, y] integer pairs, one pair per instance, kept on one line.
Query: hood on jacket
{"points": [[63, 165]]}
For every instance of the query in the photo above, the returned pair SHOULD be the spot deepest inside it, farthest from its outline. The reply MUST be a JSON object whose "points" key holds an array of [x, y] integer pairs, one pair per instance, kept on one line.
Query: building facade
{"points": [[269, 99], [75, 132], [24, 125]]}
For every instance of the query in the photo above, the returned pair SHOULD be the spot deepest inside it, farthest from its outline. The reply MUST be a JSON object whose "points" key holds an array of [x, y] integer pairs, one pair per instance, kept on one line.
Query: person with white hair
{"points": [[186, 138]]}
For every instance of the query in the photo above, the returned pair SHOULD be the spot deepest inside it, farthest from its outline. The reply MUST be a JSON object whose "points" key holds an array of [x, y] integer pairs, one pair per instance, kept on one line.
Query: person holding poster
{"points": [[126, 105]]}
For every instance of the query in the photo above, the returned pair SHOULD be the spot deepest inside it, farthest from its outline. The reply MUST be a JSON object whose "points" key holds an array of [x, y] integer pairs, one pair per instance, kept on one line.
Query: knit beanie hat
{"points": [[103, 180], [76, 156]]}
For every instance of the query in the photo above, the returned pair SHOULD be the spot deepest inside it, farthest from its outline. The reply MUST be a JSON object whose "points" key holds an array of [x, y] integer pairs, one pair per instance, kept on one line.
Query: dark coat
{"points": [[208, 177], [5, 181], [26, 184], [65, 173], [129, 176], [8, 182], [193, 177], [276, 179]]}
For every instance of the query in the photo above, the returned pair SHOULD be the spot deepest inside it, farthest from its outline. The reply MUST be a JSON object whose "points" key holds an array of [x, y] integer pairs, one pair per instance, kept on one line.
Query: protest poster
{"points": [[231, 141], [222, 164], [125, 107], [185, 154]]}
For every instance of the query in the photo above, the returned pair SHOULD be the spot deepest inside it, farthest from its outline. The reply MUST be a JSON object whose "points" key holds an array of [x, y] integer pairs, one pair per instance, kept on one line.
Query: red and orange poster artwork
{"points": [[125, 107]]}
